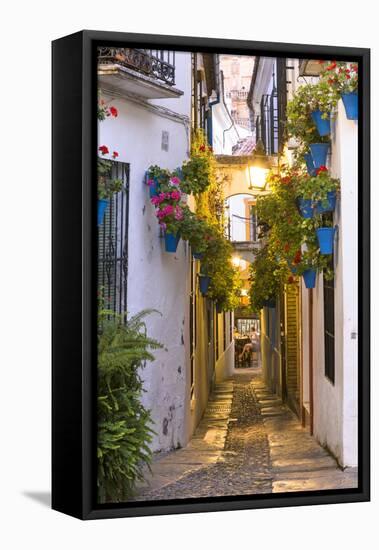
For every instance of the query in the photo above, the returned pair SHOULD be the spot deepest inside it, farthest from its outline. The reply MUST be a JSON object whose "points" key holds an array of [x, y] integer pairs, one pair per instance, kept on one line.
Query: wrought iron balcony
{"points": [[157, 64]]}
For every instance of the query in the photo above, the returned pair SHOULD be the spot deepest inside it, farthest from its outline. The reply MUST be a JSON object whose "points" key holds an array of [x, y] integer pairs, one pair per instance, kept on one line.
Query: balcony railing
{"points": [[158, 64]]}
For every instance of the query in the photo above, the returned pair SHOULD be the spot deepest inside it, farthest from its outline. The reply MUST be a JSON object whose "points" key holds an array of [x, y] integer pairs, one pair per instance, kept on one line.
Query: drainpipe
{"points": [[311, 402]]}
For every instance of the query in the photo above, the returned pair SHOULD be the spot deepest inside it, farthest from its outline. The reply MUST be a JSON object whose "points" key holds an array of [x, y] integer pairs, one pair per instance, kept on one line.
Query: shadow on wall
{"points": [[41, 497]]}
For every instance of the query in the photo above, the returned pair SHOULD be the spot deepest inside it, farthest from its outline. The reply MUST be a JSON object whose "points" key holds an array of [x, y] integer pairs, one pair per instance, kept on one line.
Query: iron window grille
{"points": [[113, 245], [270, 123]]}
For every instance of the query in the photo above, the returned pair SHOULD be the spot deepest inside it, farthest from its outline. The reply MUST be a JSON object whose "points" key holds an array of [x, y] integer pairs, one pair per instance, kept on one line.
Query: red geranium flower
{"points": [[332, 66], [322, 168], [286, 247], [113, 111], [115, 154], [202, 148], [103, 149], [286, 179], [297, 257]]}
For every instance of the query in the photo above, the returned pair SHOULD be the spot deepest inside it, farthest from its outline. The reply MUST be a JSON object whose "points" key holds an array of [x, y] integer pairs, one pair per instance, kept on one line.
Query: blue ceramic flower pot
{"points": [[309, 277], [154, 187], [350, 102], [171, 242], [305, 207], [319, 153], [291, 268], [309, 163], [198, 255], [325, 237], [322, 124], [270, 303], [204, 282], [328, 205], [101, 208]]}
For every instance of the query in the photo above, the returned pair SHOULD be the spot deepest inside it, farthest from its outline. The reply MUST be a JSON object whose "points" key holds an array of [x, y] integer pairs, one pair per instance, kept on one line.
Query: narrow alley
{"points": [[226, 275], [248, 442]]}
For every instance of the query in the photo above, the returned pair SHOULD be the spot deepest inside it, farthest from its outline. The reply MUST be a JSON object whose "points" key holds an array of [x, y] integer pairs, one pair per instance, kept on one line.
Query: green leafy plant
{"points": [[316, 188], [198, 172], [195, 230], [124, 425], [309, 98], [106, 185], [225, 282], [267, 274]]}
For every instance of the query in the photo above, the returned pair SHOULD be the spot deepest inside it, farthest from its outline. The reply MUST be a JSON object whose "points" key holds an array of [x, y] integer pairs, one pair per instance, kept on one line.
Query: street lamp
{"points": [[236, 260], [259, 168]]}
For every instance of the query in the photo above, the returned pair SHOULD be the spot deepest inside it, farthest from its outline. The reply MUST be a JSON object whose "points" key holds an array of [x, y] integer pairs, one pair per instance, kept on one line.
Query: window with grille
{"points": [[113, 245], [329, 339]]}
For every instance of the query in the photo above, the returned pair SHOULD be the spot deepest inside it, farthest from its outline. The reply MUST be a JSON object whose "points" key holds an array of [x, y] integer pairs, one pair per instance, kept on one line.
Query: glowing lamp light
{"points": [[258, 177], [236, 260], [259, 168]]}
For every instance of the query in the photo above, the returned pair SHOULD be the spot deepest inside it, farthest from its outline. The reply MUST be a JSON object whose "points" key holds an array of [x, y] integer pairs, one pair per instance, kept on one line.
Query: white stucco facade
{"points": [[176, 389], [156, 279], [336, 404]]}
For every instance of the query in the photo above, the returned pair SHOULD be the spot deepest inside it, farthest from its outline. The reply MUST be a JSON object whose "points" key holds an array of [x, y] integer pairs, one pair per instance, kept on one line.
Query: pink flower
{"points": [[162, 196], [174, 180], [175, 195], [178, 213], [150, 182], [155, 201], [168, 195], [169, 209], [160, 214]]}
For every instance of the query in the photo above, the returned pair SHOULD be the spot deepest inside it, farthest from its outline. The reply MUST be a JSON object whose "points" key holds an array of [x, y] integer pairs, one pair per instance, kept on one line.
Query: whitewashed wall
{"points": [[157, 279], [225, 133], [335, 405]]}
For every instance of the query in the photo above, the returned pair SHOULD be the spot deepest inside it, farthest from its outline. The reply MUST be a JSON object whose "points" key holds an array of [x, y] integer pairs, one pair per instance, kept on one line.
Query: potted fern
{"points": [[124, 426]]}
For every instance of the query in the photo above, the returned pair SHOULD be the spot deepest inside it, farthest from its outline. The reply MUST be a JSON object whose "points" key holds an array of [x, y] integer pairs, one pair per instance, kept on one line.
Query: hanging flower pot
{"points": [[101, 208], [309, 163], [305, 207], [328, 205], [322, 124], [270, 303], [325, 237], [292, 268], [350, 102], [197, 255], [171, 242], [152, 184], [204, 282], [309, 277], [319, 153]]}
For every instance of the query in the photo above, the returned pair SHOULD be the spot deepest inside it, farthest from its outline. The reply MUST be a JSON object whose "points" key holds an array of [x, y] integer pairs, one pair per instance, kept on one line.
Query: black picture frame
{"points": [[74, 309]]}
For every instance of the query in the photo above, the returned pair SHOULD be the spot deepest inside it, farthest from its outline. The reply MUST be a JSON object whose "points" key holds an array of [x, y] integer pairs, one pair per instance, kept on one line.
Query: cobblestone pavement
{"points": [[247, 443]]}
